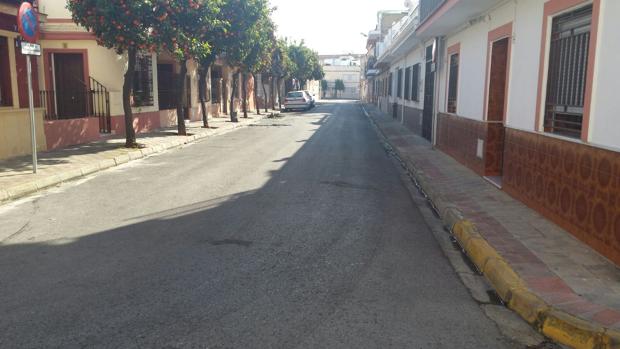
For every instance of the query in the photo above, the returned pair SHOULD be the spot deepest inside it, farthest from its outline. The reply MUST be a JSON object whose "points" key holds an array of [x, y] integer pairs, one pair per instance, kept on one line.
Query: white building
{"points": [[523, 93], [342, 67]]}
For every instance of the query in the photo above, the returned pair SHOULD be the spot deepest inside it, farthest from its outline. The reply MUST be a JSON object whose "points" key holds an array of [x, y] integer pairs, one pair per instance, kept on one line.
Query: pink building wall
{"points": [[63, 133]]}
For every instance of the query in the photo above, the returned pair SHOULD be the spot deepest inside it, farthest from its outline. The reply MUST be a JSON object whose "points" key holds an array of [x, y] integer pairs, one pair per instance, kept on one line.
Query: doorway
{"points": [[429, 95], [498, 78], [70, 85], [166, 80]]}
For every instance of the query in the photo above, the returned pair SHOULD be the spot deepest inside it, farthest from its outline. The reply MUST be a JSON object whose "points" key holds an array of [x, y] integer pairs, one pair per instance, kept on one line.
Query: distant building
{"points": [[342, 67]]}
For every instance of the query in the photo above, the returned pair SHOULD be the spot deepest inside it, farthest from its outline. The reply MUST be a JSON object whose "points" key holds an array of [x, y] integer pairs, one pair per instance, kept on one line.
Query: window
{"points": [[566, 76], [6, 97], [408, 83], [390, 80], [453, 83], [399, 88], [143, 81], [415, 83]]}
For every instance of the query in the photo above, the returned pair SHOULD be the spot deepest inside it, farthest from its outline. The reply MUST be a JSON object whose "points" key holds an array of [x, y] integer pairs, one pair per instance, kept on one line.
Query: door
{"points": [[70, 85], [497, 80], [498, 77], [166, 82], [429, 95], [188, 97]]}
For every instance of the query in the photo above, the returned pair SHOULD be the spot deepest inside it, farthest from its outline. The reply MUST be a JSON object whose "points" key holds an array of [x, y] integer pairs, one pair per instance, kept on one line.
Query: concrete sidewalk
{"points": [[555, 282], [57, 166]]}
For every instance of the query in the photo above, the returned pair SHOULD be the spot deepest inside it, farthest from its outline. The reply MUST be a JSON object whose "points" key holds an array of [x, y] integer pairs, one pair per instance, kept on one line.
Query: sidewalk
{"points": [[57, 166], [555, 282]]}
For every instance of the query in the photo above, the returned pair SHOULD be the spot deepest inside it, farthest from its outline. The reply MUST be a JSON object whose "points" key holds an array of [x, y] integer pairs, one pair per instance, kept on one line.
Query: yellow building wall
{"points": [[15, 132]]}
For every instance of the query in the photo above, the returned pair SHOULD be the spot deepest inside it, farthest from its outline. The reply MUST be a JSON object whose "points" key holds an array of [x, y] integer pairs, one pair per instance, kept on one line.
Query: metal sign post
{"points": [[28, 24], [33, 131]]}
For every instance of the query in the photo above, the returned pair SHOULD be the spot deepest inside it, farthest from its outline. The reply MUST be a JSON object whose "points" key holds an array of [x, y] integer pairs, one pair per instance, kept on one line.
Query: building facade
{"points": [[342, 67], [78, 86], [521, 92]]}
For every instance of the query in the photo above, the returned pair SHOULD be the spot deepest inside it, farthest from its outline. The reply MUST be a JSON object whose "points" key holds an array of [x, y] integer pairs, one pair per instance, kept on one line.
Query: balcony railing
{"points": [[89, 101], [428, 7]]}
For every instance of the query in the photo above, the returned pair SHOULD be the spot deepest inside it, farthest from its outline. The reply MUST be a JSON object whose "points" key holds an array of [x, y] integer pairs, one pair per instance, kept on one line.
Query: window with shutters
{"points": [[567, 71], [143, 81], [390, 80], [415, 83], [453, 83], [408, 83]]}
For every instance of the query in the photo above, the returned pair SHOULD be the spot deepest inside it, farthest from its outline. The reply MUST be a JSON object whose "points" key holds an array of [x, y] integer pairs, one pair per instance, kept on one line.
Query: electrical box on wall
{"points": [[480, 149]]}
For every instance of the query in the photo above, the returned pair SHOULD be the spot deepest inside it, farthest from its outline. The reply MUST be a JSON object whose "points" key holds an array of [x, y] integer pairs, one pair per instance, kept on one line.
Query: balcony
{"points": [[428, 7]]}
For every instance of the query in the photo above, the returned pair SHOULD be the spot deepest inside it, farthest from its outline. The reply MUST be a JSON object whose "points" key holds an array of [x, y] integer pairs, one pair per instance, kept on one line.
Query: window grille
{"points": [[453, 83], [399, 88], [415, 83], [567, 72], [408, 83], [143, 81]]}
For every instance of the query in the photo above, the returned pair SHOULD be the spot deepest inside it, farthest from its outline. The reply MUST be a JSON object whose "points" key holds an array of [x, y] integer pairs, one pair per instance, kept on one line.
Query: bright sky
{"points": [[330, 26]]}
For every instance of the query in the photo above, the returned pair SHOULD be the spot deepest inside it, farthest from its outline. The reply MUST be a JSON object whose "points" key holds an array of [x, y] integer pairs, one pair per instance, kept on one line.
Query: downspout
{"points": [[439, 55]]}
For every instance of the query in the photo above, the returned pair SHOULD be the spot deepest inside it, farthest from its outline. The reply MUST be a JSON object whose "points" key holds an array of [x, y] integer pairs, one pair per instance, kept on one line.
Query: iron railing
{"points": [[90, 101]]}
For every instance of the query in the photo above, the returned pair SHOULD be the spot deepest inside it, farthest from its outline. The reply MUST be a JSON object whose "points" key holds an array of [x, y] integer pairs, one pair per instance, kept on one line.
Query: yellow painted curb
{"points": [[558, 325], [572, 331], [528, 305], [502, 277]]}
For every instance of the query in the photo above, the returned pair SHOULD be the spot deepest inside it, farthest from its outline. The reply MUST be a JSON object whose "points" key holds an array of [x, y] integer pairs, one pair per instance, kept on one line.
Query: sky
{"points": [[330, 26]]}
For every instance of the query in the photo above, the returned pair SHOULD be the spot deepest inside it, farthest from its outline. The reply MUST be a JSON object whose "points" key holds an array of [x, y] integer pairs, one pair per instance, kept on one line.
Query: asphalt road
{"points": [[294, 233]]}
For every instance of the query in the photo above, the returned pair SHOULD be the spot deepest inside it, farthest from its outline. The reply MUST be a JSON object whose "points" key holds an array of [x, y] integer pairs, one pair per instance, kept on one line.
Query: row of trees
{"points": [[240, 31]]}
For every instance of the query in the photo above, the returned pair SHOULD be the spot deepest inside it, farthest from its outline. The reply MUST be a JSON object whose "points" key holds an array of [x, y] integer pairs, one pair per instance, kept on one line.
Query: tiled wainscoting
{"points": [[575, 185]]}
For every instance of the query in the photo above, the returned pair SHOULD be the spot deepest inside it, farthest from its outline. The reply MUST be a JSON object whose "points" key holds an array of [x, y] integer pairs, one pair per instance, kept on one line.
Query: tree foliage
{"points": [[306, 63]]}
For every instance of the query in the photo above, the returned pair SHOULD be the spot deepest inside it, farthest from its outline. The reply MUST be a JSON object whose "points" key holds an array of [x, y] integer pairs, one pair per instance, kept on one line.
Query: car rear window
{"points": [[294, 95]]}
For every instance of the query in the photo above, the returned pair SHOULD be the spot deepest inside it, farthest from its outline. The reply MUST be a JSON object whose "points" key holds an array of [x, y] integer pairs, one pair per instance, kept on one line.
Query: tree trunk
{"points": [[256, 93], [181, 98], [130, 133], [265, 93], [233, 113], [244, 95], [273, 93], [202, 91], [279, 97]]}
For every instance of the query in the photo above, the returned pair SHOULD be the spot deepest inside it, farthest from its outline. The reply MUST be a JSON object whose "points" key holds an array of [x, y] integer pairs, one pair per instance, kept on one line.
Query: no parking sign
{"points": [[28, 22], [28, 25]]}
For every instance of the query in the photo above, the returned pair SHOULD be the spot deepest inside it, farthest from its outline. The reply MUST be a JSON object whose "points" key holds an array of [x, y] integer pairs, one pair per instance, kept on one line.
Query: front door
{"points": [[498, 73], [429, 95], [166, 82], [70, 85]]}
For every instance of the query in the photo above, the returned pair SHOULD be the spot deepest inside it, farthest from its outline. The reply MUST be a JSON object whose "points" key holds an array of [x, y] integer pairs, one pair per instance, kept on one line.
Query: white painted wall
{"points": [[604, 116], [524, 69], [473, 40]]}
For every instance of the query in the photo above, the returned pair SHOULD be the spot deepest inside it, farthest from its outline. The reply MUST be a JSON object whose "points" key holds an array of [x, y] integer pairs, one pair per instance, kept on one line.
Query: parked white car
{"points": [[298, 100]]}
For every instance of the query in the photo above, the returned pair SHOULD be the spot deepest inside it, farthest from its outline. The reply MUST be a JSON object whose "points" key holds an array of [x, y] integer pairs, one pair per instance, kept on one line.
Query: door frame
{"points": [[499, 33], [49, 68], [47, 63]]}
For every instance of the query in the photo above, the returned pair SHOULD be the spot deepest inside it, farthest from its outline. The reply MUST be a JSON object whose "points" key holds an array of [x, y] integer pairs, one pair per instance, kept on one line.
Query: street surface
{"points": [[294, 233]]}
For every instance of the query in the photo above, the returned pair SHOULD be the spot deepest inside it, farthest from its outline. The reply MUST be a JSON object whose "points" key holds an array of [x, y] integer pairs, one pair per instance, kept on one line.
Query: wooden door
{"points": [[497, 80], [71, 86]]}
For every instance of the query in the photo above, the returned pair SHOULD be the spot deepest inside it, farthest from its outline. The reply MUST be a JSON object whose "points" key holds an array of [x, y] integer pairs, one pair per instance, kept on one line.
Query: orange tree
{"points": [[258, 58], [184, 28], [243, 17], [125, 26]]}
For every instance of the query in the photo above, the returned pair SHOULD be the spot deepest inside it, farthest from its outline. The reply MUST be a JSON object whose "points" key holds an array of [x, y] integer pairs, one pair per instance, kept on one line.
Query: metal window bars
{"points": [[567, 72]]}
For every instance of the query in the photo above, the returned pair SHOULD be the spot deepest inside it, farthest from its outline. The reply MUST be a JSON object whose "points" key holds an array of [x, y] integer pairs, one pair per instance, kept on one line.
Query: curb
{"points": [[556, 324], [22, 190]]}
